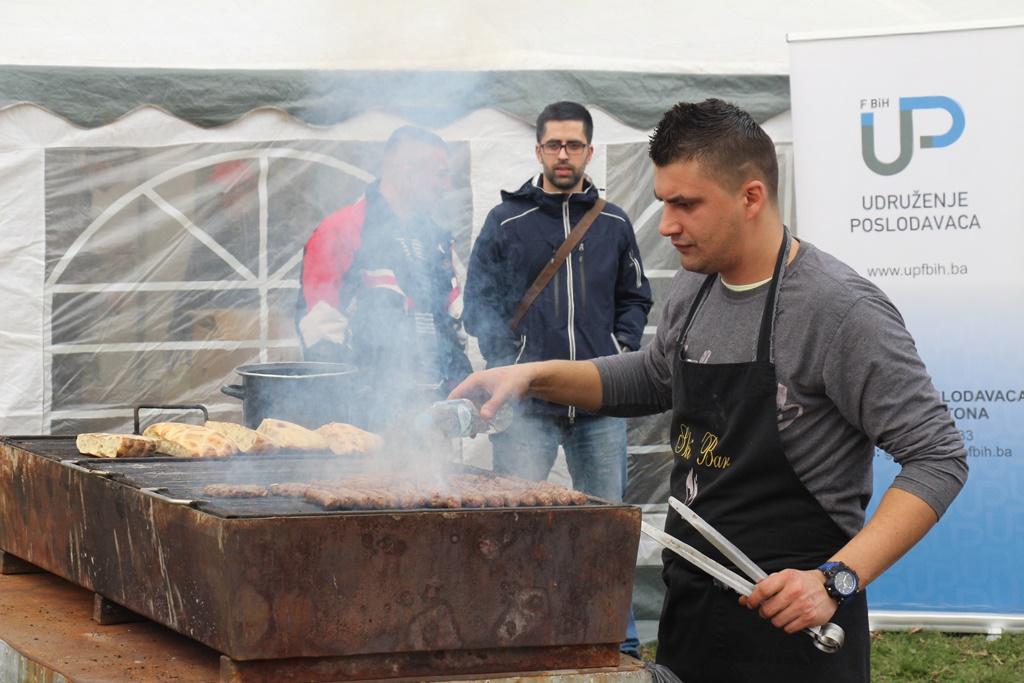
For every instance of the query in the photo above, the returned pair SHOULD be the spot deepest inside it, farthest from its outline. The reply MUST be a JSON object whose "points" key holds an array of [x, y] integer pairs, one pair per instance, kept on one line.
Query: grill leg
{"points": [[12, 564], [105, 612]]}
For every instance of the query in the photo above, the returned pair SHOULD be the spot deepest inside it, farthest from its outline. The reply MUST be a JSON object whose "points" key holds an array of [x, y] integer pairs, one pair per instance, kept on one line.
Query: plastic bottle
{"points": [[461, 417]]}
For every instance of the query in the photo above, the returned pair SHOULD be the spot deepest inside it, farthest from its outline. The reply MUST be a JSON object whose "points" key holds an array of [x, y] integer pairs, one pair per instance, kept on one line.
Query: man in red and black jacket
{"points": [[380, 288]]}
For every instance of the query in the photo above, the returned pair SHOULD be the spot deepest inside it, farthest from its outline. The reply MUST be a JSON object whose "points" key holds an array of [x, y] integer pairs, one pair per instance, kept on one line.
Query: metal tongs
{"points": [[827, 637]]}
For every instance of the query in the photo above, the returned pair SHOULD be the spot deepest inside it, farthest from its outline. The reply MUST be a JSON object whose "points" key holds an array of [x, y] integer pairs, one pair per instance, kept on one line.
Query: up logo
{"points": [[907, 107]]}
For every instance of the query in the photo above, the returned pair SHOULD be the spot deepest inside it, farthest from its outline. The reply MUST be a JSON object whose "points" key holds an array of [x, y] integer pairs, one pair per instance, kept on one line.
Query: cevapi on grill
{"points": [[377, 492], [236, 490]]}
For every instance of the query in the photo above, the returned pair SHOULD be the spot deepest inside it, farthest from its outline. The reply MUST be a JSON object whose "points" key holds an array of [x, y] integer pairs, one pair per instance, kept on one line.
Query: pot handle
{"points": [[233, 390]]}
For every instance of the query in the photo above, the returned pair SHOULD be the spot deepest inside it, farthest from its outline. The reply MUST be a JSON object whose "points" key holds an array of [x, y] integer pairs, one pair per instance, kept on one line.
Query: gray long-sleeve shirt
{"points": [[849, 378]]}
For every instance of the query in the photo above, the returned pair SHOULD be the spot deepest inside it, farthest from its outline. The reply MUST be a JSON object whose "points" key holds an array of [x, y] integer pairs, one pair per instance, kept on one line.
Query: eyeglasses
{"points": [[572, 147]]}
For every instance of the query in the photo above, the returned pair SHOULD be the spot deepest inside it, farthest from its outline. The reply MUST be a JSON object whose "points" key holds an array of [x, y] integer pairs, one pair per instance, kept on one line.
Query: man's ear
{"points": [[755, 196]]}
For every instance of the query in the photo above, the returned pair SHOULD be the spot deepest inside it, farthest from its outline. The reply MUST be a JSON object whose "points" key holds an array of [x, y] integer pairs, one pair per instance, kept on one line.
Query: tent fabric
{"points": [[90, 97]]}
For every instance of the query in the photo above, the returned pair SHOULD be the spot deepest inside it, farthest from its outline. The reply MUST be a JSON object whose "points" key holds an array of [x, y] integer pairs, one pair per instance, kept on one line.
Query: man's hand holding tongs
{"points": [[792, 599]]}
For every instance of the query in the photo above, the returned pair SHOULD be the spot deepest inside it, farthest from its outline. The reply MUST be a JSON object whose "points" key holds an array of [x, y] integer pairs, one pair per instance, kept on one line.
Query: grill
{"points": [[266, 581]]}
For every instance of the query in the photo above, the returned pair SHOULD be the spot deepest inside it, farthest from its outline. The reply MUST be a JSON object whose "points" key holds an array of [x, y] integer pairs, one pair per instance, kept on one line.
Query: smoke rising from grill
{"points": [[378, 289], [174, 265]]}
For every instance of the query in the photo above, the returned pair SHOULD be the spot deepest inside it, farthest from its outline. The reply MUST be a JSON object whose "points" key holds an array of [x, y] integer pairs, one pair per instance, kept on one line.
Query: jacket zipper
{"points": [[558, 297], [522, 349], [583, 280], [617, 345], [571, 312]]}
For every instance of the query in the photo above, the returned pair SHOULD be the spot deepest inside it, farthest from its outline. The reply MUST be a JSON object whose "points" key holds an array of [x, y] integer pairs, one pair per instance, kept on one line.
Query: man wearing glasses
{"points": [[595, 304]]}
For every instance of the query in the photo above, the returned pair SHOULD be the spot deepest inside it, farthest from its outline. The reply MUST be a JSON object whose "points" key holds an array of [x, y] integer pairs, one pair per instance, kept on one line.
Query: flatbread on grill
{"points": [[247, 440], [190, 441], [289, 435], [107, 445], [344, 439]]}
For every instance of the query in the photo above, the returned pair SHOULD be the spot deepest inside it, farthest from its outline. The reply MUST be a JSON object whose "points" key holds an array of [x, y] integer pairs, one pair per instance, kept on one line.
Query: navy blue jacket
{"points": [[595, 305]]}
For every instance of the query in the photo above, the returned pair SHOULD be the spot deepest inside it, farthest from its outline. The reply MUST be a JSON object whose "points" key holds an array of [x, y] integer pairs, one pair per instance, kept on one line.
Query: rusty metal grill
{"points": [[277, 578]]}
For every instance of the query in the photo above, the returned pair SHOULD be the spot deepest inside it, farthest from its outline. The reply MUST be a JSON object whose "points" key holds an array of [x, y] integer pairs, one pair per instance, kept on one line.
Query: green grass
{"points": [[930, 657], [951, 658]]}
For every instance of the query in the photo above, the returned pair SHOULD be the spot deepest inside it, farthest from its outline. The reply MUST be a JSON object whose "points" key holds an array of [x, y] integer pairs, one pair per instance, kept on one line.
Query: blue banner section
{"points": [[969, 560], [971, 345]]}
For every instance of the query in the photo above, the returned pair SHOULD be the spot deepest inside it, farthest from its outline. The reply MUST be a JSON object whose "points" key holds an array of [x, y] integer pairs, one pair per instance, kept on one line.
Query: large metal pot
{"points": [[309, 394]]}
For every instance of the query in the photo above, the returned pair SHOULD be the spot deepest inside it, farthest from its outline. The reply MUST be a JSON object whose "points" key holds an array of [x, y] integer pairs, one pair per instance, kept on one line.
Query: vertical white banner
{"points": [[908, 152]]}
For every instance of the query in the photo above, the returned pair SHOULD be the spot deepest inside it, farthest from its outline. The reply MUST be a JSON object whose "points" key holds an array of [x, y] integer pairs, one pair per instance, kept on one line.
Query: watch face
{"points": [[844, 583]]}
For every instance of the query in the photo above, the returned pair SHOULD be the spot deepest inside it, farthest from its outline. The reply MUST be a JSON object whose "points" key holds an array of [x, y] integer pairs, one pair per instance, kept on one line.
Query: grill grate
{"points": [[183, 479]]}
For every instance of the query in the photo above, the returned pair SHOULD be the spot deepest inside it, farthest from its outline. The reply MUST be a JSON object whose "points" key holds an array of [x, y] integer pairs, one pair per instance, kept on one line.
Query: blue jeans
{"points": [[595, 451]]}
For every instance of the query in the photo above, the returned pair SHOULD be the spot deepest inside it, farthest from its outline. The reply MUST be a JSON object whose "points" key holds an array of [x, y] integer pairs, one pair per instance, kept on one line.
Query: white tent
{"points": [[148, 76], [161, 164], [729, 37]]}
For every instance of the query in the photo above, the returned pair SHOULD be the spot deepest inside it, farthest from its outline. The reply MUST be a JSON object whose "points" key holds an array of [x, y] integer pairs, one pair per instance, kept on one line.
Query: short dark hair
{"points": [[723, 137], [412, 133], [566, 111]]}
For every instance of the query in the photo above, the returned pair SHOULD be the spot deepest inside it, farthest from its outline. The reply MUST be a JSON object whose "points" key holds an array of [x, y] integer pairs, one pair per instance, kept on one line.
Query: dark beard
{"points": [[566, 183]]}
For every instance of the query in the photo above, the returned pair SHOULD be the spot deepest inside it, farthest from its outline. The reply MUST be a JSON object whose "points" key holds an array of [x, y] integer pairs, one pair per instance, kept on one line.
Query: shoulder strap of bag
{"points": [[548, 272]]}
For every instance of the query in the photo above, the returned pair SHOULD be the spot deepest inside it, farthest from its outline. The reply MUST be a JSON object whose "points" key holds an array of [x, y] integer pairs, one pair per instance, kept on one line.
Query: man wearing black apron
{"points": [[729, 411], [783, 369]]}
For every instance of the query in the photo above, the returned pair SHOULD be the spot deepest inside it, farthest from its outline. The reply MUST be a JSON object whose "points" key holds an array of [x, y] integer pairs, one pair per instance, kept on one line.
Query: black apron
{"points": [[730, 468]]}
